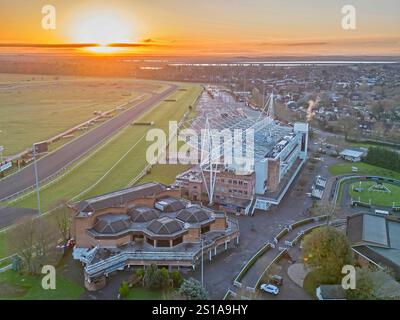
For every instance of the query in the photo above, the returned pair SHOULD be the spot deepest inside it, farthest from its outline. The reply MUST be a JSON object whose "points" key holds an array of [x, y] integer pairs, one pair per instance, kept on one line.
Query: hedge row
{"points": [[250, 263]]}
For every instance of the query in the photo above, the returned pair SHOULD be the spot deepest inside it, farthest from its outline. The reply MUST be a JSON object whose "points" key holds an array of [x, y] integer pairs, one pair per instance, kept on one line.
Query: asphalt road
{"points": [[74, 150], [8, 215]]}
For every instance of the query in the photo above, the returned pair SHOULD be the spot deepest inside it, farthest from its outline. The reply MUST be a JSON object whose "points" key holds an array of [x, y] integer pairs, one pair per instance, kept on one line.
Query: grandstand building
{"points": [[279, 153], [144, 225]]}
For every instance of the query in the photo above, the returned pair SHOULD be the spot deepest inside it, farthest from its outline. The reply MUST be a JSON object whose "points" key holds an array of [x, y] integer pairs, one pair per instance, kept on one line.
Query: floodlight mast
{"points": [[206, 160], [36, 178]]}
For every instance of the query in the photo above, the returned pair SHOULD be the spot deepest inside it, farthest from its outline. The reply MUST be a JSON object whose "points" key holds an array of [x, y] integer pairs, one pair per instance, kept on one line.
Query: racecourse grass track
{"points": [[34, 108], [377, 197], [118, 160]]}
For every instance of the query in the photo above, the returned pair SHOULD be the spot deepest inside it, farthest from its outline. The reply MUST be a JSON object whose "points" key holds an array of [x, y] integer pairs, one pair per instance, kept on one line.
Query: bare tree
{"points": [[63, 218], [346, 124], [20, 240], [337, 141]]}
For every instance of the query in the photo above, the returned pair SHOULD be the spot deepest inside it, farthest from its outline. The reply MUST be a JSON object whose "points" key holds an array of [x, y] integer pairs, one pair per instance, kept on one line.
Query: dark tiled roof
{"points": [[354, 229], [192, 215], [334, 292], [119, 198], [171, 204], [369, 229], [143, 214], [164, 226]]}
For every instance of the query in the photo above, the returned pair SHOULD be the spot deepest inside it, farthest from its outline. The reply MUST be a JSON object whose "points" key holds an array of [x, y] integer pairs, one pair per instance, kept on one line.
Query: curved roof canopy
{"points": [[143, 214], [165, 226], [112, 223], [193, 215]]}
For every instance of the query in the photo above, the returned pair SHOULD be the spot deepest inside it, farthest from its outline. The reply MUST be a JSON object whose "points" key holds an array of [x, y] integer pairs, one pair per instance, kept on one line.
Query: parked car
{"points": [[275, 279], [270, 288]]}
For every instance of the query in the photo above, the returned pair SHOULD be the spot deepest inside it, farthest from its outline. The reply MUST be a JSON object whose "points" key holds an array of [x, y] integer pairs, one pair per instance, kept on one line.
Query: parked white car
{"points": [[270, 288]]}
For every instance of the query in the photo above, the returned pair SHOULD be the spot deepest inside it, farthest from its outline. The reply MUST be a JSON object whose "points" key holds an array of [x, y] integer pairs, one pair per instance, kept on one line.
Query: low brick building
{"points": [[375, 240], [233, 192], [143, 225]]}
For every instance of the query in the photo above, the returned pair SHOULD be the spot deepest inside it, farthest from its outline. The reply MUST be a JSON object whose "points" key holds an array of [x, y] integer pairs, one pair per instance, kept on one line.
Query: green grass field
{"points": [[363, 168], [35, 108], [139, 293], [3, 252], [116, 163], [164, 173], [14, 285], [377, 198]]}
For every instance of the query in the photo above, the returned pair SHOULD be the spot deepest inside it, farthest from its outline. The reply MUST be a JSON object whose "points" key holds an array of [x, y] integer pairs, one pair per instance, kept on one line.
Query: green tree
{"points": [[140, 273], [327, 250], [155, 278], [177, 278], [164, 277], [384, 158], [124, 289], [191, 289]]}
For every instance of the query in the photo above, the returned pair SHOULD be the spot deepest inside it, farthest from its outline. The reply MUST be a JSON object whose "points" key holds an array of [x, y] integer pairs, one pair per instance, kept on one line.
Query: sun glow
{"points": [[104, 49], [102, 28]]}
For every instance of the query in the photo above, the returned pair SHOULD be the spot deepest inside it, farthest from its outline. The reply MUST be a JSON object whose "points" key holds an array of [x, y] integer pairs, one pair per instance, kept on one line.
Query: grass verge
{"points": [[14, 285], [140, 293], [363, 168]]}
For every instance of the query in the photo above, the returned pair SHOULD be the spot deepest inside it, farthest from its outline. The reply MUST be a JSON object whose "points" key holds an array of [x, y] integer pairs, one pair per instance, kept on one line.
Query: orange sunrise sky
{"points": [[204, 27]]}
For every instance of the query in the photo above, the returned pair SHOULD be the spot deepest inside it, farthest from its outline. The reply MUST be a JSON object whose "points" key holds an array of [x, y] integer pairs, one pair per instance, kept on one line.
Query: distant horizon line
{"points": [[275, 57], [72, 45]]}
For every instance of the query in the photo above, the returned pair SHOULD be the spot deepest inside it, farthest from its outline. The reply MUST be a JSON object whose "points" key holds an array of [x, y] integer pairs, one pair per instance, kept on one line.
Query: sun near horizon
{"points": [[259, 27], [102, 28]]}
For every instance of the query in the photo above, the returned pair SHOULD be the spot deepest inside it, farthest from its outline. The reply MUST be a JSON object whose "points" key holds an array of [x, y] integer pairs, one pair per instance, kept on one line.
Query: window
{"points": [[137, 237], [235, 182], [162, 243], [150, 241], [205, 229]]}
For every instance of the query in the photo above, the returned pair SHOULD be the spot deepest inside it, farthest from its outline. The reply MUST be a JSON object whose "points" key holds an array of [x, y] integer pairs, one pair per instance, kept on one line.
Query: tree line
{"points": [[384, 158]]}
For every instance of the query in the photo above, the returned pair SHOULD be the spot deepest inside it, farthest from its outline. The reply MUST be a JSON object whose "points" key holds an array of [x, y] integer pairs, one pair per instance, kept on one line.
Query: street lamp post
{"points": [[1, 153], [202, 263], [36, 179]]}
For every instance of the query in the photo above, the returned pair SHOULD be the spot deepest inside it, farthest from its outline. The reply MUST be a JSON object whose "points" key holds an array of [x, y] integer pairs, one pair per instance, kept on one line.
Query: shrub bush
{"points": [[124, 289], [177, 278], [192, 289]]}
